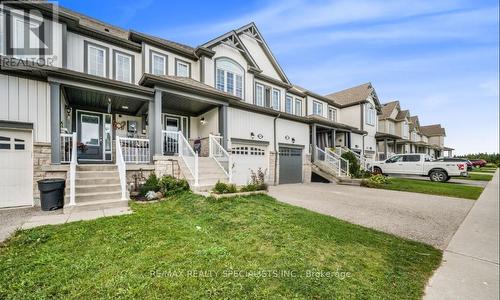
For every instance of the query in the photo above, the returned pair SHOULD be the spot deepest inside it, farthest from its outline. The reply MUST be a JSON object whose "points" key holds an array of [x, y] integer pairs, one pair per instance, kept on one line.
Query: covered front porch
{"points": [[144, 123]]}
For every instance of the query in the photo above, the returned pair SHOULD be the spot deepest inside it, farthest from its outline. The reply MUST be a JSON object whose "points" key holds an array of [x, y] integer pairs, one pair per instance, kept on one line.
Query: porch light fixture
{"points": [[252, 135], [109, 105], [293, 140], [68, 111], [202, 121]]}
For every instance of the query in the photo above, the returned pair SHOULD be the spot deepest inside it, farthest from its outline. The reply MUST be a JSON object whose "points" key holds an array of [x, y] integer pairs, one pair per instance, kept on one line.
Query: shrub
{"points": [[170, 185], [257, 181], [375, 181], [151, 184], [224, 188], [354, 166]]}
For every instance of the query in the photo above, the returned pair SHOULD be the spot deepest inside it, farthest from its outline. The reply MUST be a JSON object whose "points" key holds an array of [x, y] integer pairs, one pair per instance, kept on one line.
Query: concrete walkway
{"points": [[425, 218], [26, 218], [470, 268]]}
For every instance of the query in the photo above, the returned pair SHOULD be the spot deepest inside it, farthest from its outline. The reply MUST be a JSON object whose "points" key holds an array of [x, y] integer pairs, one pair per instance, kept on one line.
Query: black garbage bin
{"points": [[51, 193]]}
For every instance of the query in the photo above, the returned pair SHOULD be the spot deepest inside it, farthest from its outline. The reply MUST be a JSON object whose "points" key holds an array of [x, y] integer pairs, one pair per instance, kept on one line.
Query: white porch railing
{"points": [[72, 170], [134, 150], [66, 147], [338, 166], [188, 155], [220, 155], [170, 142], [122, 169]]}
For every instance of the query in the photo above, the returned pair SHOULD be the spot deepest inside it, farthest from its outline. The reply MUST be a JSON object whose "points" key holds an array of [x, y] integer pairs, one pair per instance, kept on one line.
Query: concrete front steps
{"points": [[323, 170], [96, 187], [209, 173]]}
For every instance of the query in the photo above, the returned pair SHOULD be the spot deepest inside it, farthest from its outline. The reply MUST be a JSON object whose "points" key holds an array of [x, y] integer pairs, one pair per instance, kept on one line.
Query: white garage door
{"points": [[16, 168], [246, 158]]}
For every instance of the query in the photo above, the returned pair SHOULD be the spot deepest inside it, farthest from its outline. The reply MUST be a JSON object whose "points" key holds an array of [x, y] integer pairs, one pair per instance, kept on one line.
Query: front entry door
{"points": [[90, 140], [171, 141]]}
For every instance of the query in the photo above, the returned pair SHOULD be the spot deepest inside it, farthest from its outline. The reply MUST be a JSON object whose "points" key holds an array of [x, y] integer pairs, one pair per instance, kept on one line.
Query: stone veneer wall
{"points": [[167, 165], [42, 168]]}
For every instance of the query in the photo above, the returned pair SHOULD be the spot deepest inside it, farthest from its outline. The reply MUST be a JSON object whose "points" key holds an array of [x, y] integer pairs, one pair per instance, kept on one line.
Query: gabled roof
{"points": [[232, 39], [163, 43], [387, 109], [314, 95], [253, 31], [355, 95], [433, 130], [414, 123], [402, 114]]}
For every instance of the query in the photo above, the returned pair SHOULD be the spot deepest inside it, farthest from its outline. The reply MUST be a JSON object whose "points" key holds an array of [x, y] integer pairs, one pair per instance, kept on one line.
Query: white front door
{"points": [[16, 168]]}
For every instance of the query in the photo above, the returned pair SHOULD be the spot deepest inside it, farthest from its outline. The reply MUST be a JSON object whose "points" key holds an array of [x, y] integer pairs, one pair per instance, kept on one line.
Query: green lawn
{"points": [[433, 188], [255, 247], [481, 177], [483, 170]]}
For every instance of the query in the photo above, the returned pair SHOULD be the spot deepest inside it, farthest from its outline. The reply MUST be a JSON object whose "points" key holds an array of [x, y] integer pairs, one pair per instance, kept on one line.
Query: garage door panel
{"points": [[16, 168], [290, 165], [246, 158]]}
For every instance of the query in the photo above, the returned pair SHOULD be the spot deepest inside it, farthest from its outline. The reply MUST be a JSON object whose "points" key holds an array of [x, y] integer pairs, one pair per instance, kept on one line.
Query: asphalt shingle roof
{"points": [[352, 95], [432, 130]]}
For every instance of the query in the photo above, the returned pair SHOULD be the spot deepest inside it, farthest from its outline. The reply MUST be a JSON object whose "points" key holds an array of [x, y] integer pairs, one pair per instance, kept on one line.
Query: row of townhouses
{"points": [[109, 106]]}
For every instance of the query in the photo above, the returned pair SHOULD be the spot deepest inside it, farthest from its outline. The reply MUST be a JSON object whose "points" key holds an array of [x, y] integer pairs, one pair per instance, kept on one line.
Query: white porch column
{"points": [[55, 122]]}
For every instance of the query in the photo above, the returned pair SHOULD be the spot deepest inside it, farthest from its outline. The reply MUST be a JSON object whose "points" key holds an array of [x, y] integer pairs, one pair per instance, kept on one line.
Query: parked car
{"points": [[468, 162], [478, 163], [423, 165]]}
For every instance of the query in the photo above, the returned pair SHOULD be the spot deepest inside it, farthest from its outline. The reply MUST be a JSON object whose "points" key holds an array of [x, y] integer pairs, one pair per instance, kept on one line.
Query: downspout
{"points": [[276, 150]]}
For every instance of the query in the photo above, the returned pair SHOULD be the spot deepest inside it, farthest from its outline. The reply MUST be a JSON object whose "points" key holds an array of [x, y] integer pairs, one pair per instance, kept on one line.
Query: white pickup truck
{"points": [[421, 164]]}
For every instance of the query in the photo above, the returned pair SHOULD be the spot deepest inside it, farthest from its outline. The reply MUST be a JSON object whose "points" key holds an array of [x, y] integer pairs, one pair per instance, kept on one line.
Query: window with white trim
{"points": [[289, 104], [229, 77], [298, 107], [159, 64], [405, 129], [370, 114], [96, 60], [259, 94], [332, 114], [123, 67], [182, 68], [317, 108], [276, 99], [392, 129]]}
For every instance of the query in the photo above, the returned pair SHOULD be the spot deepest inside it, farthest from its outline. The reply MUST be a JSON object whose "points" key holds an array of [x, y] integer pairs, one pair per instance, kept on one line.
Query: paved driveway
{"points": [[425, 218]]}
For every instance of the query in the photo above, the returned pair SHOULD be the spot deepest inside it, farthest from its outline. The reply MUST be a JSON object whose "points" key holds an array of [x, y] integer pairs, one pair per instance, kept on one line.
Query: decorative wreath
{"points": [[119, 125]]}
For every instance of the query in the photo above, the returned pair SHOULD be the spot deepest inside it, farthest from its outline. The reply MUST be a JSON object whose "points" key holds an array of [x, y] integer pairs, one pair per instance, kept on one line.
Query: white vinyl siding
{"points": [[370, 114], [159, 64], [96, 61], [298, 107], [289, 105], [276, 99], [318, 108], [123, 67]]}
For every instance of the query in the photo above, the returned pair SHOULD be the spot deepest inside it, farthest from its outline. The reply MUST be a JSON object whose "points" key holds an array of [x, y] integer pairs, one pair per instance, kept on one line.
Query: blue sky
{"points": [[439, 58]]}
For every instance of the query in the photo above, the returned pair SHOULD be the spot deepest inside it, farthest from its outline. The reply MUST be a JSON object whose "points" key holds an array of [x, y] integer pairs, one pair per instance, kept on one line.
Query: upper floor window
{"points": [[391, 128], [289, 104], [298, 107], [276, 99], [332, 114], [229, 77], [123, 67], [317, 108], [406, 129], [96, 62], [182, 68], [370, 114], [259, 94], [158, 64]]}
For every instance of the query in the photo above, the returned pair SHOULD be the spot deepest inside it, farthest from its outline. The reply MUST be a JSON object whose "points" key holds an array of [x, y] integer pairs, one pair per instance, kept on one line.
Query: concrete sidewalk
{"points": [[470, 268]]}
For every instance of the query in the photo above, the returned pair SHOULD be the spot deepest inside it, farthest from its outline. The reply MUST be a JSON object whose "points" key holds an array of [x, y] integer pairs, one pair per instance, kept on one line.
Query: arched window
{"points": [[229, 76]]}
